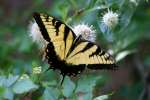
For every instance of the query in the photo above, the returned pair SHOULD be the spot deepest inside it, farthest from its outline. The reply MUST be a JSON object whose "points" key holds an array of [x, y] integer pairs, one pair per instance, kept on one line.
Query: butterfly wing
{"points": [[55, 32], [91, 55], [72, 50]]}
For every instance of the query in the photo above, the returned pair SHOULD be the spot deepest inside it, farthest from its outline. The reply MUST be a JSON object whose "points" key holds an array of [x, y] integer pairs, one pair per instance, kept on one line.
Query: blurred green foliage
{"points": [[129, 41]]}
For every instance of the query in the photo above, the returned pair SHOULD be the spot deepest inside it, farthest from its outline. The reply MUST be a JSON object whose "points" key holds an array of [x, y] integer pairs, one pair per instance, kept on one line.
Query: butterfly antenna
{"points": [[62, 79]]}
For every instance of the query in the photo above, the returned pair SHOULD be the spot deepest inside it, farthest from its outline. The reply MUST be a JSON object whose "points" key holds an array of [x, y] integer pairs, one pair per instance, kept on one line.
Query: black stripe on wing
{"points": [[102, 66], [41, 26], [57, 25], [66, 33], [79, 41], [76, 42], [88, 46]]}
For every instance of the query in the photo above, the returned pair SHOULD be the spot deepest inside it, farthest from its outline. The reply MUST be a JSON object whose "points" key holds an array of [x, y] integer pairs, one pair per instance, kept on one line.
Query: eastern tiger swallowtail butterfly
{"points": [[67, 52]]}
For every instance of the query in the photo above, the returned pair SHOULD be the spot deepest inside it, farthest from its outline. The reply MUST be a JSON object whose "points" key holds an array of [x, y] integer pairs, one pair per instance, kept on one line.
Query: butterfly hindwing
{"points": [[91, 55]]}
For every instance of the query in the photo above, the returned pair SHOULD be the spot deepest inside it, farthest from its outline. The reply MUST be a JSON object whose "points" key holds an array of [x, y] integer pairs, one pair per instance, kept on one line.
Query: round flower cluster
{"points": [[36, 34], [24, 76], [87, 32], [110, 19], [37, 70]]}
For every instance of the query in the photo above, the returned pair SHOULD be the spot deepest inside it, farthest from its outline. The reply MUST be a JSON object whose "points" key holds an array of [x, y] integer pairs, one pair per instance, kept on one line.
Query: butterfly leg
{"points": [[63, 77]]}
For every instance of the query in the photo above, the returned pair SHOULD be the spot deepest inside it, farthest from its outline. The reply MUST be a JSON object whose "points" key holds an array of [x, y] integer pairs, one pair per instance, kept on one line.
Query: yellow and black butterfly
{"points": [[67, 52]]}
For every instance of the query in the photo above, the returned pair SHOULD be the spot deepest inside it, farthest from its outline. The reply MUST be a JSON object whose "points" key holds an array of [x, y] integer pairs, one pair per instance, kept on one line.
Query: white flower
{"points": [[87, 32], [110, 19], [37, 70], [36, 34], [111, 52], [24, 76]]}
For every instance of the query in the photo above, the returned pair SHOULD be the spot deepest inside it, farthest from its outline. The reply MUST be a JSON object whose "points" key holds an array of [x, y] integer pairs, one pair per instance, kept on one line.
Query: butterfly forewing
{"points": [[58, 33]]}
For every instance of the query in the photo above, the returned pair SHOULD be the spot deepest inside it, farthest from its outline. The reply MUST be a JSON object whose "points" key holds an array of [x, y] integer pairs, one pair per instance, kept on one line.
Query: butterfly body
{"points": [[68, 53]]}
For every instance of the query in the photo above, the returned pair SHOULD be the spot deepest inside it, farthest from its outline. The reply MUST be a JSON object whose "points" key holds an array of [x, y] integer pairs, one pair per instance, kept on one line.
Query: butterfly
{"points": [[68, 53]]}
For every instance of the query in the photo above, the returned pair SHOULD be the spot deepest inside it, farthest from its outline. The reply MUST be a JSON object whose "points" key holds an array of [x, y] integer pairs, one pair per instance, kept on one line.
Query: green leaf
{"points": [[2, 91], [68, 87], [9, 95], [50, 83], [3, 79], [96, 8], [23, 86], [51, 93], [92, 3], [126, 15], [103, 97], [86, 83], [11, 79], [7, 82], [123, 54]]}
